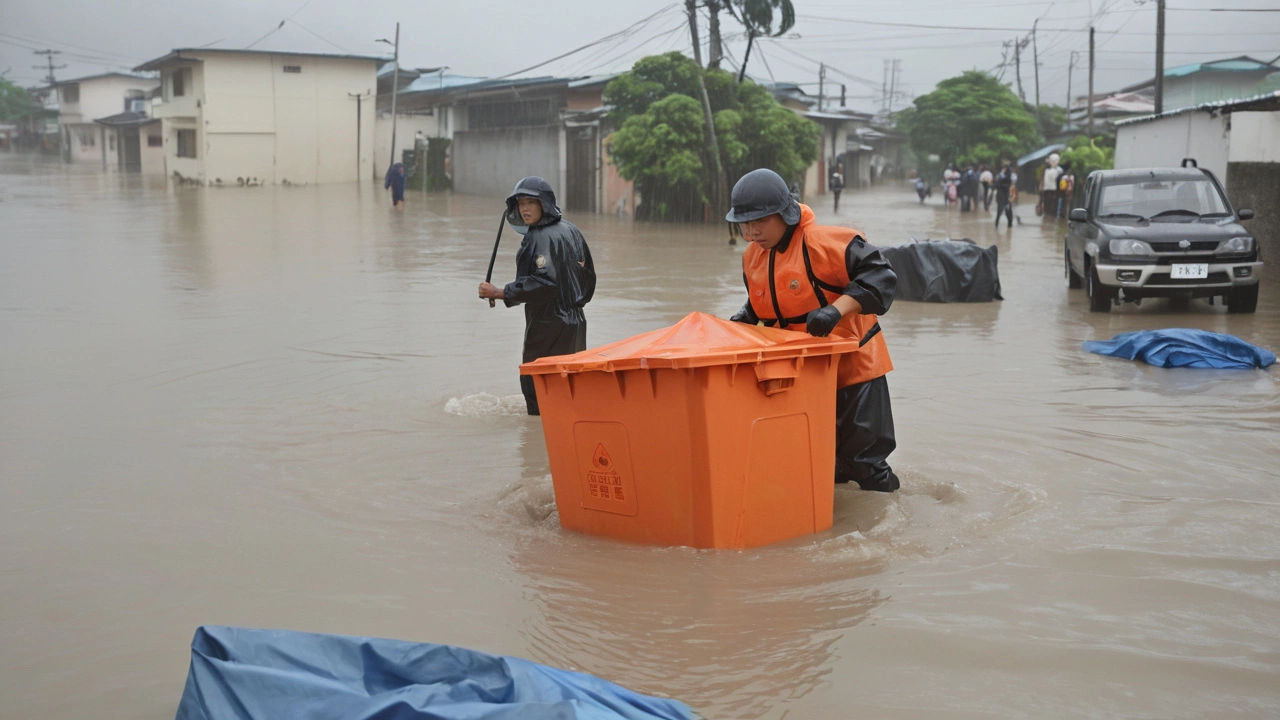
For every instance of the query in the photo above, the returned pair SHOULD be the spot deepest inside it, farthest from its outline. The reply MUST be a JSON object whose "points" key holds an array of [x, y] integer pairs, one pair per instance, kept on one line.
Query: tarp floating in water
{"points": [[945, 271], [240, 673], [1184, 347]]}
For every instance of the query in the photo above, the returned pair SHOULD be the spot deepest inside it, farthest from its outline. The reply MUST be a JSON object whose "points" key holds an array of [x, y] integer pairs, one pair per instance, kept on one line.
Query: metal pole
{"points": [[822, 76], [357, 97], [1089, 131], [395, 90], [1035, 56], [1071, 63], [1017, 60], [1159, 56]]}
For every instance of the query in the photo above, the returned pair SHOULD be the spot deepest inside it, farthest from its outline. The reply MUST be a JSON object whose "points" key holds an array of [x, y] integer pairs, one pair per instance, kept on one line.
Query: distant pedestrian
{"points": [[837, 186], [1066, 188], [968, 189], [987, 179], [1048, 204], [922, 189], [395, 181], [1004, 183]]}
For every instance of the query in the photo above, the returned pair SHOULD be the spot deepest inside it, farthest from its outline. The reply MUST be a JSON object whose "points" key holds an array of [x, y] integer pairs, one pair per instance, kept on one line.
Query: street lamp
{"points": [[395, 88]]}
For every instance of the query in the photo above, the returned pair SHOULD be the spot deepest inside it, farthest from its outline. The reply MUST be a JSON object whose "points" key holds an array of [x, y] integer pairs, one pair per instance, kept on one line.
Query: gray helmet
{"points": [[761, 193]]}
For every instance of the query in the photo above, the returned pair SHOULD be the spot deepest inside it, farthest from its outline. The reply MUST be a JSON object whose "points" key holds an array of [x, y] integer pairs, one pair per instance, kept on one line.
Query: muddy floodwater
{"points": [[285, 407]]}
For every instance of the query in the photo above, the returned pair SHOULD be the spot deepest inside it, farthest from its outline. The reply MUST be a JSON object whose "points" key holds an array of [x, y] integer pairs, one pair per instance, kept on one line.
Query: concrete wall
{"points": [[619, 193], [257, 121], [1256, 185], [152, 157], [1255, 137], [490, 162], [86, 143], [1165, 142]]}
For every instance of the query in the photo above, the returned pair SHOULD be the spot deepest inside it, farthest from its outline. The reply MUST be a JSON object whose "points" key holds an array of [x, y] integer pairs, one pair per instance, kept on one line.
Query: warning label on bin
{"points": [[604, 464]]}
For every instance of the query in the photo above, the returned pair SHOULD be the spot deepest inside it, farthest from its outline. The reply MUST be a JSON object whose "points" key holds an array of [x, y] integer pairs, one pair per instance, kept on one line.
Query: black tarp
{"points": [[945, 271]]}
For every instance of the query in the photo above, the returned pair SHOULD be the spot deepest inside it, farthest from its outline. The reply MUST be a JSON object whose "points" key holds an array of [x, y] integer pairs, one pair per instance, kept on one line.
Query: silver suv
{"points": [[1160, 232]]}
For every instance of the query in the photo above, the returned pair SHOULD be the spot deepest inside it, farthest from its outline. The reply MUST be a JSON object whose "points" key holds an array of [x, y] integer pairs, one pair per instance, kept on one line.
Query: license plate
{"points": [[1198, 271]]}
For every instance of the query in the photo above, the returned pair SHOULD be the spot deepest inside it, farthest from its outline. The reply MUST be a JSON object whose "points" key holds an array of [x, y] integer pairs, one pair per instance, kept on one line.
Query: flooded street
{"points": [[285, 407]]}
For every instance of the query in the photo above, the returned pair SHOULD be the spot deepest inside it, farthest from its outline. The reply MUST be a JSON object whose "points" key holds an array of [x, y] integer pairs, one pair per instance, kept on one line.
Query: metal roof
{"points": [[429, 85], [86, 78], [175, 55], [1267, 102], [1041, 154], [126, 119], [1243, 63]]}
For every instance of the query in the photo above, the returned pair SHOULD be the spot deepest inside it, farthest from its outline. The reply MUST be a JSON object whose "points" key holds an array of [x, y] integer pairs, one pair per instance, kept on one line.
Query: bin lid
{"points": [[699, 340]]}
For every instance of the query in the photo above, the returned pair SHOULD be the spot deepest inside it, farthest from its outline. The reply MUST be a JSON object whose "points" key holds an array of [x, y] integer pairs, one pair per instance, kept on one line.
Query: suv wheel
{"points": [[1100, 296], [1243, 299], [1074, 280]]}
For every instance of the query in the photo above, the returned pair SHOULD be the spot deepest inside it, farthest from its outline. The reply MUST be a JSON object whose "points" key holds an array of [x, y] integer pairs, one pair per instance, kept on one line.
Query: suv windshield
{"points": [[1148, 198]]}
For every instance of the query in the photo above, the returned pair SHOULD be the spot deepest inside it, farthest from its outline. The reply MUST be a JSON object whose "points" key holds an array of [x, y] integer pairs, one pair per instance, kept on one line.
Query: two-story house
{"points": [[250, 116], [83, 100]]}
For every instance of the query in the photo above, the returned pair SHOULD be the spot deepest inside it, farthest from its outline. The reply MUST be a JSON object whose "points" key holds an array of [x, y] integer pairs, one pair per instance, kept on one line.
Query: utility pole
{"points": [[358, 97], [395, 88], [1089, 130], [48, 56], [1159, 56], [822, 77], [719, 194], [1071, 63], [1035, 56], [1017, 61]]}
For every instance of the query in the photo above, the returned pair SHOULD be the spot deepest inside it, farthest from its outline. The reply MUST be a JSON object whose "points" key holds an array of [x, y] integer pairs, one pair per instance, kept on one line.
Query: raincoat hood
{"points": [[536, 187]]}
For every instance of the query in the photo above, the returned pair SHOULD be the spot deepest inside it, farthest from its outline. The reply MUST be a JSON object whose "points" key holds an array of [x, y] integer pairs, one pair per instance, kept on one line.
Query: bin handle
{"points": [[776, 376]]}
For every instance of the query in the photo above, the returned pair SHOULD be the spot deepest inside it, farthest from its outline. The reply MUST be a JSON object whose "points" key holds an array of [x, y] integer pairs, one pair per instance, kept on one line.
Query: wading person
{"points": [[823, 280], [1004, 201], [837, 186], [395, 182], [986, 178], [555, 278]]}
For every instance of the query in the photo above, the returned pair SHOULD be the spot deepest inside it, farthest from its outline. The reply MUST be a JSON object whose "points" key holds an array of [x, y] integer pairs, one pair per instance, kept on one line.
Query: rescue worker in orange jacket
{"points": [[823, 280]]}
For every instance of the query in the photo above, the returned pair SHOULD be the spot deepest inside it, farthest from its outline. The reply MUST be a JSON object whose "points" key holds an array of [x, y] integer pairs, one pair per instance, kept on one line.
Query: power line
{"points": [[591, 44], [313, 32]]}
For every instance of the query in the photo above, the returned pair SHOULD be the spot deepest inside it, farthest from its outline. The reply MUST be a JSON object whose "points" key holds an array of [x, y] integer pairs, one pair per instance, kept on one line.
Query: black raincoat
{"points": [[555, 278]]}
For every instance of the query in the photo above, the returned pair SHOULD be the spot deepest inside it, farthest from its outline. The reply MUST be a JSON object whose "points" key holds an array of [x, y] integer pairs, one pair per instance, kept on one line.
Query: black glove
{"points": [[746, 315], [822, 321]]}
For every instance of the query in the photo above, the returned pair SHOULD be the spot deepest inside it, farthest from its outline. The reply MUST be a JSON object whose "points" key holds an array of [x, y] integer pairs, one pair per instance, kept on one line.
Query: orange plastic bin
{"points": [[709, 433]]}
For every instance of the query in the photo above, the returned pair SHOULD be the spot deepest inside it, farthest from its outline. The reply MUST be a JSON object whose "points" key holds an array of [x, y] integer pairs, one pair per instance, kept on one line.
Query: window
{"points": [[155, 141], [71, 93], [181, 81], [509, 114], [86, 139], [186, 143], [111, 142], [1147, 197], [293, 68]]}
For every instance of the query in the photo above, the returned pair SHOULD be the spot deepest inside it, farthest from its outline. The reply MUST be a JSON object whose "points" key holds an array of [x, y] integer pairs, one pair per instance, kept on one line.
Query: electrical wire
{"points": [[591, 44]]}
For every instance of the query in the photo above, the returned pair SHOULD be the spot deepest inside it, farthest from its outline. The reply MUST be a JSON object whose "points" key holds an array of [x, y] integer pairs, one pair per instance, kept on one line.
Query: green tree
{"points": [[1051, 120], [757, 17], [970, 118], [659, 144], [15, 103]]}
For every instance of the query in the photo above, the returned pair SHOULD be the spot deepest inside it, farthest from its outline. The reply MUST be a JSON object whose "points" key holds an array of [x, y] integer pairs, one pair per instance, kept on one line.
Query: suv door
{"points": [[1078, 232]]}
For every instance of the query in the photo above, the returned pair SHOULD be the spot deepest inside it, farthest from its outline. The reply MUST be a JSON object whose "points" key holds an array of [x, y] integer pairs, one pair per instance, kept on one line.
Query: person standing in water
{"points": [[555, 278], [395, 182]]}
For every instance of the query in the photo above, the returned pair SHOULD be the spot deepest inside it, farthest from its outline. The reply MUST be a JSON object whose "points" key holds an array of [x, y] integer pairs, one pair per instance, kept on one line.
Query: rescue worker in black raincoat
{"points": [[555, 278], [826, 281]]}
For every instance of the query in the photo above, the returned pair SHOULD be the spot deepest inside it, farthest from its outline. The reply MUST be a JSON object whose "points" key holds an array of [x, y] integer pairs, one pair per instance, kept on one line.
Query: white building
{"points": [[83, 100], [249, 116]]}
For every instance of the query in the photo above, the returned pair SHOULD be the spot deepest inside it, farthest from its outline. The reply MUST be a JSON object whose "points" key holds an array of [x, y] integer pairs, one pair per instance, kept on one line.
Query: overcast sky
{"points": [[497, 37]]}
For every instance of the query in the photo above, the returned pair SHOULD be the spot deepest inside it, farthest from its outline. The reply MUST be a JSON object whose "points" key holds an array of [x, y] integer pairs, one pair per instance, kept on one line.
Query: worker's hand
{"points": [[822, 321], [489, 291], [746, 315]]}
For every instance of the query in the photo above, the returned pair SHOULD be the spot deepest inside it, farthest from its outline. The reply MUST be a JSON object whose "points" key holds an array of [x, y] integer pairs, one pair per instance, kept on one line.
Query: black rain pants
{"points": [[864, 436], [549, 334]]}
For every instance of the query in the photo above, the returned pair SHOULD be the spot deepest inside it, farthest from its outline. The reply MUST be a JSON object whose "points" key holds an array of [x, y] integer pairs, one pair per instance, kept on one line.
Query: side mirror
{"points": [[1082, 215], [1245, 214]]}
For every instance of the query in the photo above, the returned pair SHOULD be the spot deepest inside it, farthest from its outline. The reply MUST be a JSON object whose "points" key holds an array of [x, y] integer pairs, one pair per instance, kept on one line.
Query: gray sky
{"points": [[496, 37]]}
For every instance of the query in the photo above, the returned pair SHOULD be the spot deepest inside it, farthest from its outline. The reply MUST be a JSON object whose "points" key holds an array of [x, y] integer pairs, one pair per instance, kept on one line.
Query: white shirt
{"points": [[1051, 175], [986, 177]]}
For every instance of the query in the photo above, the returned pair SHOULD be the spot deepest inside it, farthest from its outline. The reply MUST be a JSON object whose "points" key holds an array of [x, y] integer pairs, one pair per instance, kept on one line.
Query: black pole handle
{"points": [[488, 277]]}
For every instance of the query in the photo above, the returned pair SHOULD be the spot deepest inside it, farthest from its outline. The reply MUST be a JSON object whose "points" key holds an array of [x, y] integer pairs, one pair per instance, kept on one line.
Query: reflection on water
{"points": [[285, 407]]}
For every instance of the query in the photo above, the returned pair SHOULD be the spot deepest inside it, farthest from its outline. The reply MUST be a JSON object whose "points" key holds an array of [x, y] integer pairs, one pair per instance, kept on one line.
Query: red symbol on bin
{"points": [[601, 459]]}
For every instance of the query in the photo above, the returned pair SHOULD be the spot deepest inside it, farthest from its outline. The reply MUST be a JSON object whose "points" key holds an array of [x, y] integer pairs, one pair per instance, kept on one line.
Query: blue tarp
{"points": [[243, 674], [1184, 347]]}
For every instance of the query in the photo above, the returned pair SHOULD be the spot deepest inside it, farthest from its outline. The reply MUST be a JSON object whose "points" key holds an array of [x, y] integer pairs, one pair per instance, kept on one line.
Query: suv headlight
{"points": [[1129, 247], [1237, 245]]}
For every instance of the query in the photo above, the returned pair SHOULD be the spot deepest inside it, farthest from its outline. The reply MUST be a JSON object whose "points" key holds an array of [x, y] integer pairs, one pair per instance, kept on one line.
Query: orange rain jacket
{"points": [[809, 270]]}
